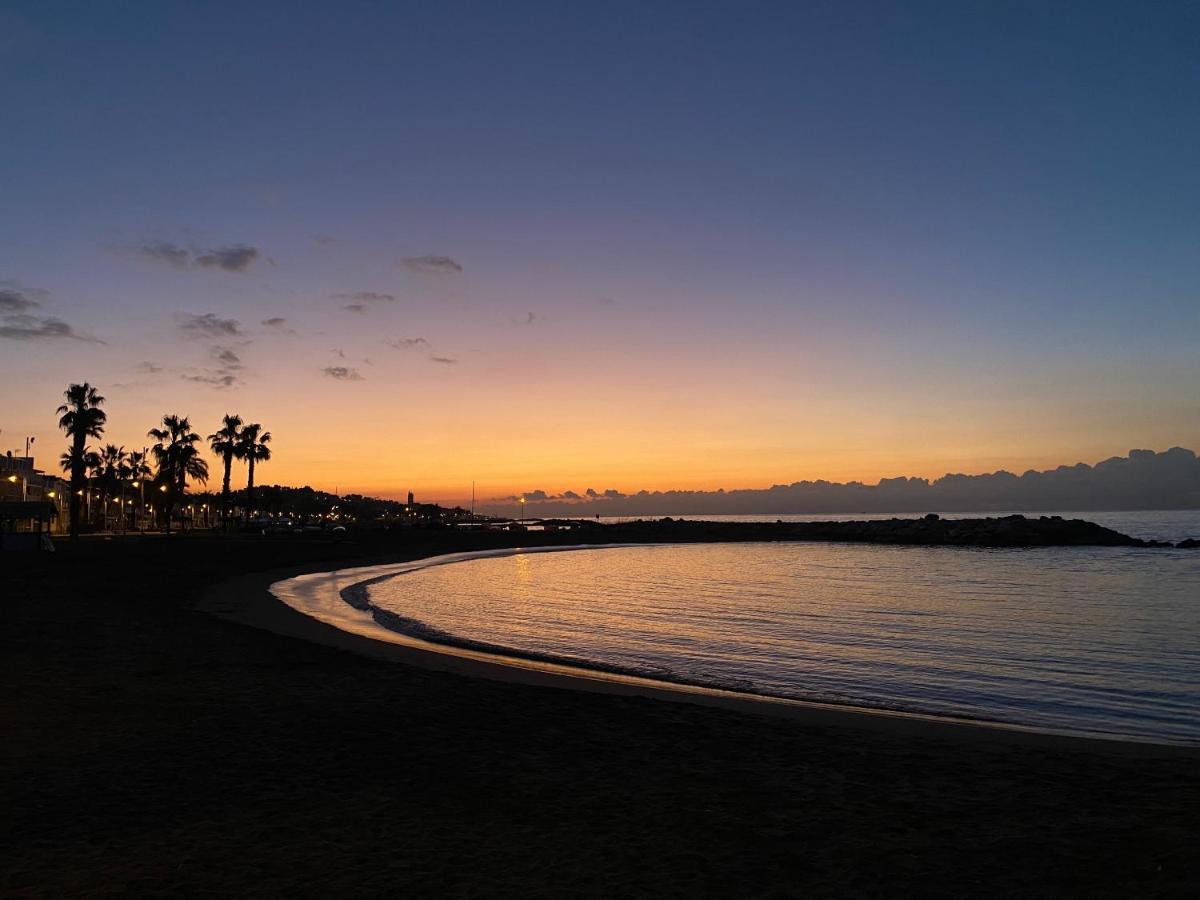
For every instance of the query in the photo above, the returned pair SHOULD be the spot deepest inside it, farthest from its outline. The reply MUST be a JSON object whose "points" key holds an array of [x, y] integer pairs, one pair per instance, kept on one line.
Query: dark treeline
{"points": [[305, 503], [1142, 480]]}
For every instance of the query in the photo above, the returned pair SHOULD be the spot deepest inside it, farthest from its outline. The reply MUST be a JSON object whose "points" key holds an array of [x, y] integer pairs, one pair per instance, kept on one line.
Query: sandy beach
{"points": [[163, 736]]}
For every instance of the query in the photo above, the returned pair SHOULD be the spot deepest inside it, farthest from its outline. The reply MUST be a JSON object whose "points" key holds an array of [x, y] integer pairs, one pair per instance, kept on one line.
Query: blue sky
{"points": [[980, 217]]}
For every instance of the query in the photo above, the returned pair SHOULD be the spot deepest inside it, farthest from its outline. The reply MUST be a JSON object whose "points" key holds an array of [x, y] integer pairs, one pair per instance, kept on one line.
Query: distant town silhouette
{"points": [[1142, 480]]}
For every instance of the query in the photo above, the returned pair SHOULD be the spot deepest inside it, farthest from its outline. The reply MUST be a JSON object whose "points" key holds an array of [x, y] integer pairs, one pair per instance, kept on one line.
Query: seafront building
{"points": [[31, 501]]}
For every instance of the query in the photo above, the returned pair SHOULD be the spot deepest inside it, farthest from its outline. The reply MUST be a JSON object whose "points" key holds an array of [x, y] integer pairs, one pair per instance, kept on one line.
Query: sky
{"points": [[614, 245]]}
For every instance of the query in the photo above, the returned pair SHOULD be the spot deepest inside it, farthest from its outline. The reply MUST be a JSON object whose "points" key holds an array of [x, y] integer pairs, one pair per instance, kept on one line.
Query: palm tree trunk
{"points": [[225, 493], [77, 483], [250, 488]]}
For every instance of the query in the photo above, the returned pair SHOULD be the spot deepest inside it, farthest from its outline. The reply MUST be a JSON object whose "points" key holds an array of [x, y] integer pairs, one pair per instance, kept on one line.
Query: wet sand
{"points": [[150, 746]]}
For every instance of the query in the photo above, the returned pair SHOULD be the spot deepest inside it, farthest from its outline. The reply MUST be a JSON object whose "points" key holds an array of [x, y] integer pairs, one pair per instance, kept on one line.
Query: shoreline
{"points": [[342, 623]]}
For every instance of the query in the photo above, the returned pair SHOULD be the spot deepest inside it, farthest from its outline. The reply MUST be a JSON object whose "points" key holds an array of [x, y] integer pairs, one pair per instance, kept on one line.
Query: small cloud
{"points": [[279, 323], [232, 258], [338, 352], [613, 495], [16, 301], [21, 327], [324, 240], [571, 495], [355, 308], [209, 325], [226, 357], [342, 373], [149, 368], [367, 297], [165, 252], [445, 360], [219, 380], [408, 343], [431, 265], [528, 319], [591, 493]]}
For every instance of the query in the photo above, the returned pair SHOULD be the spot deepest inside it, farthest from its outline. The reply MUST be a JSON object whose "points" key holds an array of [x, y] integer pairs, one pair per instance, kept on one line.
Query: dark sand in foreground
{"points": [[153, 748]]}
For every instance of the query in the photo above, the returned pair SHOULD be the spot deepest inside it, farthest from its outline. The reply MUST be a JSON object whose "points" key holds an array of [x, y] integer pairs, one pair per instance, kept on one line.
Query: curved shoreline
{"points": [[336, 600]]}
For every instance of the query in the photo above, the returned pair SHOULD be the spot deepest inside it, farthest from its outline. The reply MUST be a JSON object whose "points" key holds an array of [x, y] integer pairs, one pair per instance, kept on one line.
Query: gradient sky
{"points": [[643, 245]]}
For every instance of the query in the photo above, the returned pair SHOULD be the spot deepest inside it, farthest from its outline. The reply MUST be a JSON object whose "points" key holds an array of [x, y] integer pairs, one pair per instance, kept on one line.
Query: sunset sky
{"points": [[609, 245]]}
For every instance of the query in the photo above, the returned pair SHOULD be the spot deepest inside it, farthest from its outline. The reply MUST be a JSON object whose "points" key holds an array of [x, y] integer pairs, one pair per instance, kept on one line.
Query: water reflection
{"points": [[1093, 639]]}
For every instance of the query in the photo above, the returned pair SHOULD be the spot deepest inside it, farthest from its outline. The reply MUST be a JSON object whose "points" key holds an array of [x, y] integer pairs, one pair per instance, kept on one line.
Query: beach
{"points": [[157, 741]]}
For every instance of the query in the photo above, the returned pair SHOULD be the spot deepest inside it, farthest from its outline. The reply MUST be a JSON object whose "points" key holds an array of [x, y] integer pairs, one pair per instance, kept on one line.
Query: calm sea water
{"points": [[1084, 639]]}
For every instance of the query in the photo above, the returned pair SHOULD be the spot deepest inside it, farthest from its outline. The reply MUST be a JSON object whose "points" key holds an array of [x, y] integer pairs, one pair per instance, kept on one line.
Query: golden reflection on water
{"points": [[1062, 638]]}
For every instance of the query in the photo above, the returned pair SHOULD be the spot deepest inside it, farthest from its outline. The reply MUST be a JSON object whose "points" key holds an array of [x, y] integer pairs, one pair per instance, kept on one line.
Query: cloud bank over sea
{"points": [[1142, 480]]}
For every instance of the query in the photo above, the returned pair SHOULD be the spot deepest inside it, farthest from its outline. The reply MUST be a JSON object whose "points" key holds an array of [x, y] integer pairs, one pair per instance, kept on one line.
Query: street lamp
{"points": [[24, 485], [522, 509]]}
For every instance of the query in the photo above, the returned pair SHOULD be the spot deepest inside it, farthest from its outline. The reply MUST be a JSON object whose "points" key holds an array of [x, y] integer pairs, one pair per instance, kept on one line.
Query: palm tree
{"points": [[224, 444], [111, 474], [252, 447], [81, 418], [178, 459]]}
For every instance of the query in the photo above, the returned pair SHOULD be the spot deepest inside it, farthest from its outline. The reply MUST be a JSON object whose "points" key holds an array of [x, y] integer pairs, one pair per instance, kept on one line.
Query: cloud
{"points": [[528, 319], [21, 327], [226, 357], [278, 322], [613, 495], [209, 325], [342, 373], [540, 496], [355, 308], [149, 368], [408, 343], [231, 258], [219, 380], [591, 493], [445, 360], [18, 324], [15, 301], [367, 297], [431, 265], [165, 252], [234, 258], [324, 240]]}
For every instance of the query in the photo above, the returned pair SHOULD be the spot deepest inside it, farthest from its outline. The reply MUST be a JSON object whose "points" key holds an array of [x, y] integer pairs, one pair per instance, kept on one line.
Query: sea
{"points": [[1083, 640]]}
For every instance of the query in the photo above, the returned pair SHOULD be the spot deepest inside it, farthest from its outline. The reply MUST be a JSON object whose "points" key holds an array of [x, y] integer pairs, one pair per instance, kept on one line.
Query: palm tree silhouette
{"points": [[224, 444], [111, 473], [252, 447], [178, 459], [81, 418]]}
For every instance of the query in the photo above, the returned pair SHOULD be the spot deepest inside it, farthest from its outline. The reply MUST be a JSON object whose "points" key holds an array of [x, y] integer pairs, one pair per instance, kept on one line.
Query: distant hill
{"points": [[1142, 480]]}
